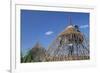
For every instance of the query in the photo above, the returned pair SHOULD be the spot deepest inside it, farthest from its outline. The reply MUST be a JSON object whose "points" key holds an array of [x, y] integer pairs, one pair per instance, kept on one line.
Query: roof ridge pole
{"points": [[70, 20]]}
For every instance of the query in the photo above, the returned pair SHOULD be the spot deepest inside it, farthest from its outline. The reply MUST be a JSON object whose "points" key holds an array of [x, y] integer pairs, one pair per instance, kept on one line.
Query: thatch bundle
{"points": [[38, 52], [73, 35]]}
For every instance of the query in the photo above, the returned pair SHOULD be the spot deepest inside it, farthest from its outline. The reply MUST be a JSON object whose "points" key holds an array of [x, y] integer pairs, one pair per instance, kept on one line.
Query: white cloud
{"points": [[49, 33], [84, 26]]}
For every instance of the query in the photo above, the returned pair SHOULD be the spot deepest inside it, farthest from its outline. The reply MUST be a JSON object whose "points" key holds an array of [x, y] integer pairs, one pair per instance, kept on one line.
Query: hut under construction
{"points": [[71, 44]]}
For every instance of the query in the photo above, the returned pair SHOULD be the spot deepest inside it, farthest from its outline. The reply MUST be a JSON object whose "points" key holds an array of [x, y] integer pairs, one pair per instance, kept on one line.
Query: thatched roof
{"points": [[70, 30], [38, 52], [38, 47], [72, 33]]}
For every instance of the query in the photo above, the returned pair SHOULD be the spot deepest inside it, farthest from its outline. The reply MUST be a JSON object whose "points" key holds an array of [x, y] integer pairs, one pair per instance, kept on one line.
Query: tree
{"points": [[28, 57]]}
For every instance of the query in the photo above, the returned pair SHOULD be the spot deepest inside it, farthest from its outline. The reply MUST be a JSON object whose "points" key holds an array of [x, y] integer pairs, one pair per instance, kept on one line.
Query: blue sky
{"points": [[44, 26]]}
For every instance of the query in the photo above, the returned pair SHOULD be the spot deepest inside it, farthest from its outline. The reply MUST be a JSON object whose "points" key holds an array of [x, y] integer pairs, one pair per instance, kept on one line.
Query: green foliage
{"points": [[28, 57], [33, 55], [22, 57]]}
